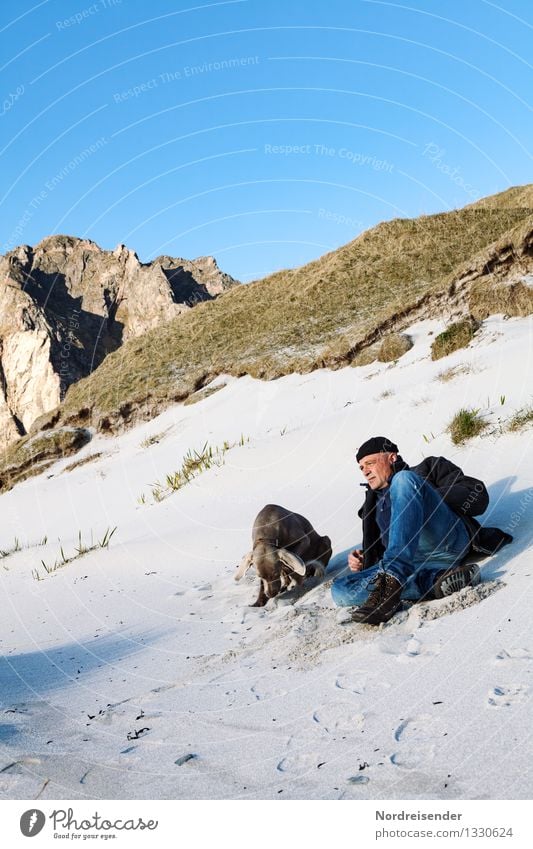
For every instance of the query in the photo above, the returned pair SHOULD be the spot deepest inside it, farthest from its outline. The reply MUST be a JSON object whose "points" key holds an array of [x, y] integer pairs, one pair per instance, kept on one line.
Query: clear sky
{"points": [[264, 132]]}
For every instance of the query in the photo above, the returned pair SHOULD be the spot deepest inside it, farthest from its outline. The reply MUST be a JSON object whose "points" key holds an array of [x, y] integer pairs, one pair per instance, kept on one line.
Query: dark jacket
{"points": [[468, 497]]}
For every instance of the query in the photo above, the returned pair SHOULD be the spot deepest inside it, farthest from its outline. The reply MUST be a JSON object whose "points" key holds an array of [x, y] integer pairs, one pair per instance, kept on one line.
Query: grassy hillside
{"points": [[515, 197], [295, 320]]}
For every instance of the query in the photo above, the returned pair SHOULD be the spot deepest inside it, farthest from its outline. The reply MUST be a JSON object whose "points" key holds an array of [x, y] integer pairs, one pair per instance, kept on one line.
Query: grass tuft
{"points": [[393, 347], [457, 335], [90, 458], [7, 552], [154, 439], [450, 373], [193, 464], [466, 424], [522, 418], [80, 550]]}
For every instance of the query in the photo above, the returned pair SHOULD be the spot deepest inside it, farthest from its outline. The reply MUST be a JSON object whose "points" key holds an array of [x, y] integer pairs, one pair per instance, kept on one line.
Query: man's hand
{"points": [[355, 560]]}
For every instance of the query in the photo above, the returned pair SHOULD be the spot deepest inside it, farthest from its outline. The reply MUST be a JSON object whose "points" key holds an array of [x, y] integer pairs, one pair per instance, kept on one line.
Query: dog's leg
{"points": [[262, 598]]}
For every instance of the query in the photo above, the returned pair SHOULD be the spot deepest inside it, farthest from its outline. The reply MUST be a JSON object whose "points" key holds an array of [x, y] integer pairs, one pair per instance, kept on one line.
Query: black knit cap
{"points": [[376, 445]]}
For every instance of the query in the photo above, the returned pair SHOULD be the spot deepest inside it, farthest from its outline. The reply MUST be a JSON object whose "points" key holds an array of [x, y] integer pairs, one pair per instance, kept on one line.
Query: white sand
{"points": [[284, 701]]}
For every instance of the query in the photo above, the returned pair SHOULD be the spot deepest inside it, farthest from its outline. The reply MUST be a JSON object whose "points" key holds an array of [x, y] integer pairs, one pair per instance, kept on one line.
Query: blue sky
{"points": [[263, 132]]}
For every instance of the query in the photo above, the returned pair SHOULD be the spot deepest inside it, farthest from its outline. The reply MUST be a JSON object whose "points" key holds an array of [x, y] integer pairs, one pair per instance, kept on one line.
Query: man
{"points": [[418, 527]]}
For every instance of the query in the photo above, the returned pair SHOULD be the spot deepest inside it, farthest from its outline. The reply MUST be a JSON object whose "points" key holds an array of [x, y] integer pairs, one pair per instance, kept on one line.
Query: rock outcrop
{"points": [[66, 304]]}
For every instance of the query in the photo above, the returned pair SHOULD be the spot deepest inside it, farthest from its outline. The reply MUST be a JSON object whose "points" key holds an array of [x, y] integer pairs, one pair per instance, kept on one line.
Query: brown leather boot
{"points": [[453, 580], [383, 601]]}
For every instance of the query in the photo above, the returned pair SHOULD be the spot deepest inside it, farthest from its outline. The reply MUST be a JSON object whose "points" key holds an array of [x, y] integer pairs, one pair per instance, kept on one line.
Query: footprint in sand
{"points": [[110, 716], [305, 625], [263, 692], [418, 729], [358, 779], [353, 681], [17, 781], [299, 762], [513, 654], [413, 757], [162, 688], [413, 647], [393, 644], [507, 696], [17, 767], [341, 718], [417, 737], [343, 616], [204, 588], [247, 615], [151, 714], [405, 651], [231, 697]]}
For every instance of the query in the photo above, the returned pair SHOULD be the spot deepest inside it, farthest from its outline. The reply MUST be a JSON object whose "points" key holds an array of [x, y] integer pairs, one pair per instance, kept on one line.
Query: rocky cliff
{"points": [[66, 303]]}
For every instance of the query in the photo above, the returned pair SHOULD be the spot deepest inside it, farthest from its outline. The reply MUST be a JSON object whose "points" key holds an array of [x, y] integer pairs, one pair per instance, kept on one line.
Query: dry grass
{"points": [[521, 419], [455, 371], [394, 346], [90, 458], [154, 438], [365, 357], [286, 322], [457, 335], [328, 313], [202, 394], [31, 455], [490, 297], [514, 197]]}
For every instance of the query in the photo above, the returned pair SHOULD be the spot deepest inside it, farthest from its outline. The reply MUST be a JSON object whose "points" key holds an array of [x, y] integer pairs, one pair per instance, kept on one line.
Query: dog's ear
{"points": [[292, 561], [244, 565]]}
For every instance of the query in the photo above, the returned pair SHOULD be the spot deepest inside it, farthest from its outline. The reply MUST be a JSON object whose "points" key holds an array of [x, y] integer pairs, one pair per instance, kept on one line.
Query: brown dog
{"points": [[286, 550]]}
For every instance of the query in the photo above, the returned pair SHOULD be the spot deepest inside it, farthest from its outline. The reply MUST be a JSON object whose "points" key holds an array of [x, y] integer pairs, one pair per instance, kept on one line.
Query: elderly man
{"points": [[417, 530]]}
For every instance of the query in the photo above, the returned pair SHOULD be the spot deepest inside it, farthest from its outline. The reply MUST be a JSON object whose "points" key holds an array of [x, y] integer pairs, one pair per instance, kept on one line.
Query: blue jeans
{"points": [[425, 537]]}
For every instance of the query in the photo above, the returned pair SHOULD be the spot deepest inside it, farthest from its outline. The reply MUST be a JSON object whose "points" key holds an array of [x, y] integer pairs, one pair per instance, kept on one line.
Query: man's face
{"points": [[377, 469]]}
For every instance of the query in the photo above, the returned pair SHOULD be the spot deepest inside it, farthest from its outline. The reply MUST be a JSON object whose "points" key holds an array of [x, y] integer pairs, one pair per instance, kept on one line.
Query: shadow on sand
{"points": [[37, 674]]}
